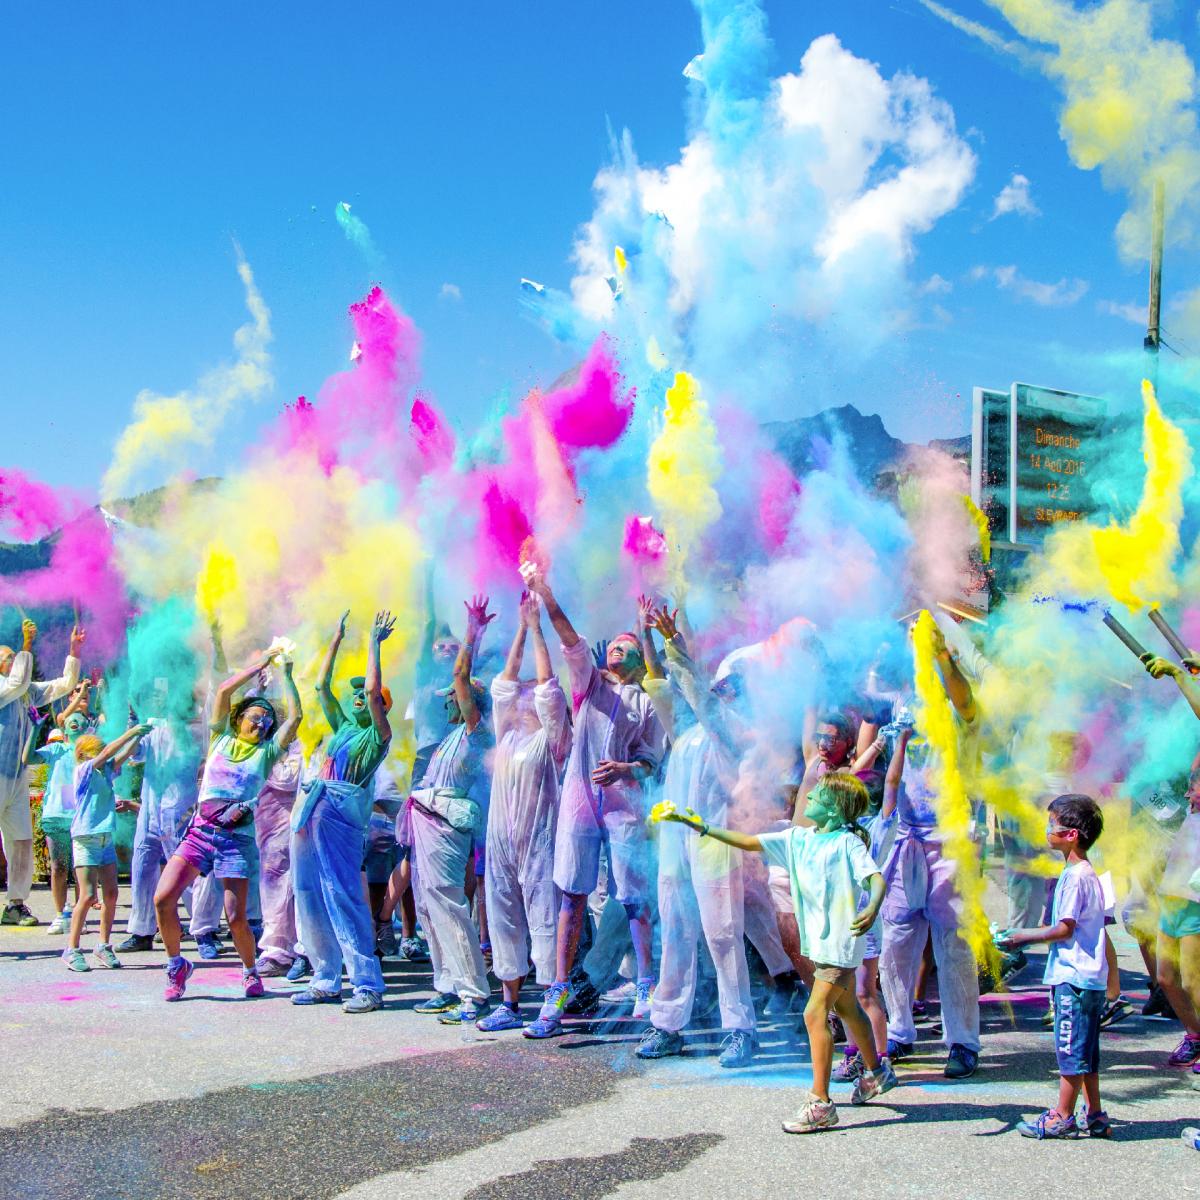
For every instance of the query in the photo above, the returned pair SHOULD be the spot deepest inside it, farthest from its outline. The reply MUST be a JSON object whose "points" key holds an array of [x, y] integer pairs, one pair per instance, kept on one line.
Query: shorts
{"points": [[1077, 1028], [58, 840], [872, 944], [224, 853], [843, 977], [94, 850], [1177, 917], [379, 861]]}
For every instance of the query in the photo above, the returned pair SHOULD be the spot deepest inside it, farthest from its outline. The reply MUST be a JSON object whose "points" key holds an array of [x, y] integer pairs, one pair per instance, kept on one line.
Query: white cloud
{"points": [[1049, 295], [1014, 197], [1135, 314], [935, 285], [450, 291]]}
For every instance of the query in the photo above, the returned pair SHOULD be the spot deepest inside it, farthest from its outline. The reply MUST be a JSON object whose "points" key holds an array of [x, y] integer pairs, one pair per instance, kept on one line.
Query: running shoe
{"points": [[60, 924], [645, 993], [270, 968], [1048, 1017], [177, 978], [849, 1069], [312, 995], [1098, 1125], [413, 949], [1186, 1053], [1157, 1005], [874, 1083], [1049, 1125], [439, 1002], [465, 1013], [499, 1019], [75, 960], [737, 1049], [962, 1062], [16, 912], [104, 956], [813, 1116], [299, 968], [1114, 1011], [252, 985], [385, 940], [624, 993], [137, 943], [363, 1001], [898, 1050], [208, 946], [659, 1043], [549, 1019]]}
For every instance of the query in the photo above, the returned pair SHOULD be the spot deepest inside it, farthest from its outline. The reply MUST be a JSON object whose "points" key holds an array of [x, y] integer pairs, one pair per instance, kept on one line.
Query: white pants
{"points": [[16, 834], [762, 925], [700, 889], [439, 867], [150, 853]]}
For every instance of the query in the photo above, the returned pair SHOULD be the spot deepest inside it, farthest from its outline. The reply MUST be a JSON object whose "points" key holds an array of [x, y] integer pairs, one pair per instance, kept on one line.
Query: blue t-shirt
{"points": [[58, 800], [95, 803]]}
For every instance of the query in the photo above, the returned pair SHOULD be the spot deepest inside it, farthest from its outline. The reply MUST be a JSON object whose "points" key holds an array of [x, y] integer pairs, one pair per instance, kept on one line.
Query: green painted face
{"points": [[74, 725], [819, 807]]}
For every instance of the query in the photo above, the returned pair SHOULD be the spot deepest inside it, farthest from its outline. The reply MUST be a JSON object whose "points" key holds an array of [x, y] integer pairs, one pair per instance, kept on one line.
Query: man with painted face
{"points": [[618, 742], [18, 693], [329, 825]]}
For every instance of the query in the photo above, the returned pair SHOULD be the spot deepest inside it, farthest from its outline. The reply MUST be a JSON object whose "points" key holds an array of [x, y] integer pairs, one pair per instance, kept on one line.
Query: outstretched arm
{"points": [[478, 619], [516, 652], [329, 705], [55, 689], [741, 841], [123, 743], [295, 712], [1158, 667], [645, 629], [223, 698], [535, 581], [380, 632]]}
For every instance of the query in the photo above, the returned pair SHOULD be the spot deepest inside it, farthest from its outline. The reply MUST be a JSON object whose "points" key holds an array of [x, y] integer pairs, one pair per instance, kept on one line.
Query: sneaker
{"points": [[813, 1116], [466, 1012], [625, 993], [549, 1019], [312, 995], [16, 912], [866, 1087], [898, 1050], [270, 968], [439, 1002], [104, 956], [849, 1069], [413, 949], [1098, 1125], [641, 1005], [659, 1043], [252, 985], [885, 1076], [499, 1019], [299, 968], [1157, 1004], [75, 960], [737, 1049], [1114, 1011], [1191, 1135], [784, 994], [177, 978], [963, 1062], [920, 1010], [60, 924], [1012, 962], [385, 941], [363, 1001], [209, 946], [1186, 1053], [137, 943], [1049, 1125]]}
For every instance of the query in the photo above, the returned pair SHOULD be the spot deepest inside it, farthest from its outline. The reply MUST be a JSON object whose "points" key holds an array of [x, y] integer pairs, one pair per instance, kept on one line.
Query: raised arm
{"points": [[219, 663], [286, 733], [329, 705], [223, 696], [77, 703], [1158, 667], [478, 619], [535, 581], [956, 684], [531, 615], [645, 628], [55, 689], [516, 652], [124, 743], [380, 632], [895, 772]]}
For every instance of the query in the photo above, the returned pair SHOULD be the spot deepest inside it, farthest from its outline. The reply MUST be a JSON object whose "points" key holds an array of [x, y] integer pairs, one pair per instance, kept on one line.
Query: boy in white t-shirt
{"points": [[1076, 969]]}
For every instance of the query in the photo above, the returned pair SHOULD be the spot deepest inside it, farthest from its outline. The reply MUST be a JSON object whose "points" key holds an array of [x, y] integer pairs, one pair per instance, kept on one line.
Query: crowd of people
{"points": [[632, 843]]}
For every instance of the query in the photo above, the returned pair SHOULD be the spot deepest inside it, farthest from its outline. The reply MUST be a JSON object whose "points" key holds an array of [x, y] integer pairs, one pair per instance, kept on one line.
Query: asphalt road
{"points": [[109, 1092]]}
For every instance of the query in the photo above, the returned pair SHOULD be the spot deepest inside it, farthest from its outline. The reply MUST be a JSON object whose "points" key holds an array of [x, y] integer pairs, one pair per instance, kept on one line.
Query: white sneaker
{"points": [[641, 1004], [625, 993], [60, 924]]}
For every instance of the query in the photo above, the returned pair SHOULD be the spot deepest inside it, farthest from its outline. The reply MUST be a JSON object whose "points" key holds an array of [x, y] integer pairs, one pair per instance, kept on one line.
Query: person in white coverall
{"points": [[18, 693], [618, 742], [273, 832], [444, 820], [533, 736], [699, 879]]}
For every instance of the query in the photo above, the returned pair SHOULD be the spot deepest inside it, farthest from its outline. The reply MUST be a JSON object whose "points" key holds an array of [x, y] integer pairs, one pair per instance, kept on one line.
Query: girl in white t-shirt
{"points": [[828, 864]]}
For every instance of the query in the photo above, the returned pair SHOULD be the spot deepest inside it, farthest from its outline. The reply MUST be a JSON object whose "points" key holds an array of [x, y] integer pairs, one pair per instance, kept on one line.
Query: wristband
{"points": [[703, 829]]}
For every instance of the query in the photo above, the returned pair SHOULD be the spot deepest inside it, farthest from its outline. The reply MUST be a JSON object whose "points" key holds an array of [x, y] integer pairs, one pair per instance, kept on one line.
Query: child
{"points": [[92, 842], [828, 864], [1076, 969], [58, 810]]}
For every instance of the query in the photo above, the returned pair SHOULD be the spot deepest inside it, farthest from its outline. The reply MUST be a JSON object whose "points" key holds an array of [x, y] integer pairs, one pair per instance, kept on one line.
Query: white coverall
{"points": [[17, 693], [273, 832], [533, 738]]}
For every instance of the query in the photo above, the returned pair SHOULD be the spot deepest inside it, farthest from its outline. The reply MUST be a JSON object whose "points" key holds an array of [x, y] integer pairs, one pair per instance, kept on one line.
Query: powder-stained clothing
{"points": [[615, 722], [95, 802], [1183, 860], [58, 798], [234, 774], [273, 833]]}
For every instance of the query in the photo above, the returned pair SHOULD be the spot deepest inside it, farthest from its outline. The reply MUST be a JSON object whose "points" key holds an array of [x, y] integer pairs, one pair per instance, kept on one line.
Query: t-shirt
{"points": [[234, 773], [826, 872], [95, 803], [1080, 959], [58, 800], [1182, 861], [354, 752]]}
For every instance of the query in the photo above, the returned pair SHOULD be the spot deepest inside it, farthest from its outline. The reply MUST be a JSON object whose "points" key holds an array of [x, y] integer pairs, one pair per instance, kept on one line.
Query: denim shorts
{"points": [[380, 856], [225, 853], [58, 839], [94, 850], [1178, 917], [1077, 1028]]}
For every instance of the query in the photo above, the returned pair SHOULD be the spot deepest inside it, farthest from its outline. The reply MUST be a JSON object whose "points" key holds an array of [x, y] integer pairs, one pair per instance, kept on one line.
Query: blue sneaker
{"points": [[209, 946], [963, 1061], [1049, 1125], [499, 1019], [659, 1043], [737, 1049], [465, 1013], [549, 1019], [316, 996], [299, 968], [898, 1050], [439, 1002]]}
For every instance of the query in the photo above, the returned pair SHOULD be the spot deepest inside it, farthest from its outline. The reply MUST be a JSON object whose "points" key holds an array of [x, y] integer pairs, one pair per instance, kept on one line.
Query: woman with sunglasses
{"points": [[246, 742]]}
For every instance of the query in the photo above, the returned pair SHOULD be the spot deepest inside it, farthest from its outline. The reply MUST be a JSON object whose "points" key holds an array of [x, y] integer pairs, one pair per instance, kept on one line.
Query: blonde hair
{"points": [[88, 746], [851, 798]]}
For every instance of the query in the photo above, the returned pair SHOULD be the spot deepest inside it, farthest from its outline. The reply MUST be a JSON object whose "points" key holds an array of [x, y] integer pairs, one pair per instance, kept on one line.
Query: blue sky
{"points": [[140, 139]]}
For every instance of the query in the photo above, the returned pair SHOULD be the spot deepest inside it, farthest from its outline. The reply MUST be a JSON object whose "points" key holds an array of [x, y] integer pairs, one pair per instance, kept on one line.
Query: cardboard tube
{"points": [[1173, 639], [1132, 644]]}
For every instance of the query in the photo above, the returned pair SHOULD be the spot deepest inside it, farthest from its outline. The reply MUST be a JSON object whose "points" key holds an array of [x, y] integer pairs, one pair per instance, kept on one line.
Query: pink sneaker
{"points": [[1186, 1053], [177, 980], [252, 985]]}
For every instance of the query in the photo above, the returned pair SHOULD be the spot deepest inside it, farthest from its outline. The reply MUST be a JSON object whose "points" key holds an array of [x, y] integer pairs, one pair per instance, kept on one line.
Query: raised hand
{"points": [[645, 612], [1160, 667], [666, 622], [341, 629], [534, 578], [28, 633], [384, 624], [78, 634], [478, 617], [600, 654], [530, 610]]}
